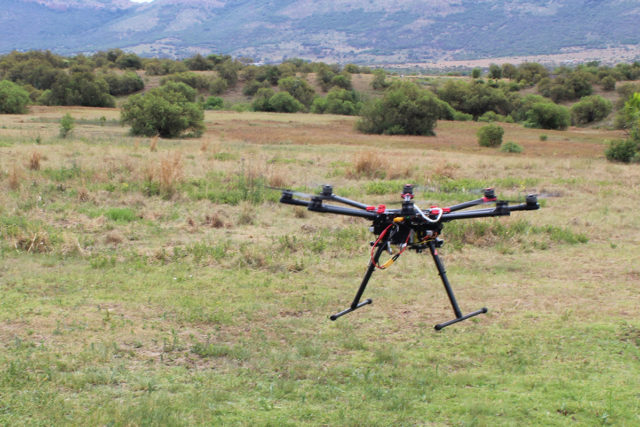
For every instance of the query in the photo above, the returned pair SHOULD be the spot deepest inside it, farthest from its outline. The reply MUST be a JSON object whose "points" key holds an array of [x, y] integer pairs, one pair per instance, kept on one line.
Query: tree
{"points": [[198, 63], [129, 60], [404, 109], [261, 100], [168, 111], [123, 84], [338, 101], [298, 88], [342, 80], [608, 83], [531, 72], [509, 71], [590, 109], [475, 98], [82, 87], [283, 102], [267, 99], [495, 72], [547, 115], [568, 86], [379, 82], [628, 150], [13, 98], [476, 73]]}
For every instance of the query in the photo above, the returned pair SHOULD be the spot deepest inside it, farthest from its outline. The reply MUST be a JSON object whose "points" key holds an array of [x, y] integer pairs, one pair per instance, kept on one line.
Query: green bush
{"points": [[404, 109], [462, 117], [168, 111], [196, 81], [608, 83], [218, 86], [213, 103], [379, 80], [123, 84], [568, 86], [475, 98], [253, 86], [67, 123], [298, 88], [590, 109], [490, 135], [623, 150], [338, 101], [511, 147], [547, 115], [261, 100], [81, 87], [283, 102], [13, 98]]}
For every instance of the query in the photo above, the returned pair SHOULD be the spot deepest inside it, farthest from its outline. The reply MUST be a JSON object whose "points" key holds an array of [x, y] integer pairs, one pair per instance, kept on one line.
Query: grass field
{"points": [[159, 282]]}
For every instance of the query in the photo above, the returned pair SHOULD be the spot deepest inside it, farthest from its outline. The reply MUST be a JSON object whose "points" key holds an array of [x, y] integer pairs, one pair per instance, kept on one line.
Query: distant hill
{"points": [[361, 31]]}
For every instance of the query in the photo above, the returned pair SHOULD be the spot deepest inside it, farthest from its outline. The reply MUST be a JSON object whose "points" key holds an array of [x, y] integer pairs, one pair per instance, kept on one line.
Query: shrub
{"points": [[622, 150], [475, 98], [379, 82], [13, 98], [547, 115], [189, 78], [261, 100], [405, 109], [490, 135], [492, 116], [67, 123], [298, 88], [168, 111], [123, 84], [213, 103], [283, 102], [81, 87], [511, 147], [218, 86], [253, 86], [462, 117], [338, 101], [590, 109], [608, 83]]}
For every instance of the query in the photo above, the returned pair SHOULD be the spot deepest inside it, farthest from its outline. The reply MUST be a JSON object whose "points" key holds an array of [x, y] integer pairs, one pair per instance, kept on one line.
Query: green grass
{"points": [[122, 303]]}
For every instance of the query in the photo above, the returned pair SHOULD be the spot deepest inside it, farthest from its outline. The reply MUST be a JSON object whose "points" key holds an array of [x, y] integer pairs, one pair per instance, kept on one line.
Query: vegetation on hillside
{"points": [[528, 93]]}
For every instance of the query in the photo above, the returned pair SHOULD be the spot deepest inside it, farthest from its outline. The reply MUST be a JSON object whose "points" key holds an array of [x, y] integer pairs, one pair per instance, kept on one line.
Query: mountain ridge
{"points": [[360, 31]]}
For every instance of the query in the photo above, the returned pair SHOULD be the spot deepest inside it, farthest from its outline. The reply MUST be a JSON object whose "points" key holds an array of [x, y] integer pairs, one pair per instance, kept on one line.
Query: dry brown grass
{"points": [[83, 194], [34, 161], [166, 173], [37, 242], [369, 164], [153, 145], [114, 237], [277, 179], [15, 177], [214, 220]]}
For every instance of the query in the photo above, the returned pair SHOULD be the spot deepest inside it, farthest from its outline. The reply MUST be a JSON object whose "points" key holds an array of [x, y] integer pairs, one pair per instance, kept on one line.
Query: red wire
{"points": [[384, 232]]}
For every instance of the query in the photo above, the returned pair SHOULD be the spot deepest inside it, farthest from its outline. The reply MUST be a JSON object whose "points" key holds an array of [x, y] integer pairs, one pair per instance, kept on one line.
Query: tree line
{"points": [[554, 98]]}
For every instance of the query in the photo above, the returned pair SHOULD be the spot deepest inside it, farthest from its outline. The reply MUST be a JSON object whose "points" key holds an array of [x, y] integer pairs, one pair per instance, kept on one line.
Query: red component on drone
{"points": [[381, 209]]}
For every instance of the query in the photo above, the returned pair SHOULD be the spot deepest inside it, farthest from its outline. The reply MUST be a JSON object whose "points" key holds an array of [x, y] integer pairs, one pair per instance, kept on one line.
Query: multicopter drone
{"points": [[409, 227]]}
